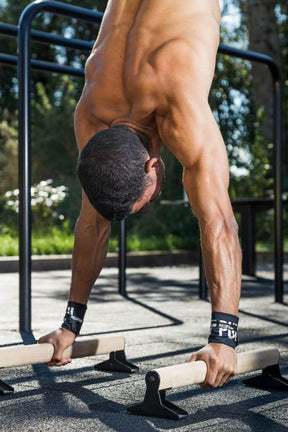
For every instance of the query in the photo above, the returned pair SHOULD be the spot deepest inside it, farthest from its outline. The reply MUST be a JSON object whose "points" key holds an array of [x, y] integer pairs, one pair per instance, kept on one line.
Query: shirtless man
{"points": [[147, 82]]}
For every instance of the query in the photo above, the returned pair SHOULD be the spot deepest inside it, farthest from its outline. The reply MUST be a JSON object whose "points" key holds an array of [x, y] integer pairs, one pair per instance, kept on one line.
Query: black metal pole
{"points": [[203, 288], [24, 83], [278, 149], [122, 258], [278, 204], [24, 79]]}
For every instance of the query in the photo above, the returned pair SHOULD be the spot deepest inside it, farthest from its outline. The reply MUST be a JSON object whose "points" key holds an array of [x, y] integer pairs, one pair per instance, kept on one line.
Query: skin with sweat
{"points": [[151, 69]]}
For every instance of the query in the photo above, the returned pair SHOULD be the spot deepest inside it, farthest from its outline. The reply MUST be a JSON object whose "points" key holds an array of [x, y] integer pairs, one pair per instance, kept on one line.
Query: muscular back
{"points": [[143, 48]]}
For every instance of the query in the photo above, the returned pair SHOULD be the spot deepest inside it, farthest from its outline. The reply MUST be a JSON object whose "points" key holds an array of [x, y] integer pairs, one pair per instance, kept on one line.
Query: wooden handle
{"points": [[195, 372], [43, 353]]}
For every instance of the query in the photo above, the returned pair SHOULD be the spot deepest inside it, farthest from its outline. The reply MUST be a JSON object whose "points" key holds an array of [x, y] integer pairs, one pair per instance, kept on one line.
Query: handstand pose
{"points": [[147, 82]]}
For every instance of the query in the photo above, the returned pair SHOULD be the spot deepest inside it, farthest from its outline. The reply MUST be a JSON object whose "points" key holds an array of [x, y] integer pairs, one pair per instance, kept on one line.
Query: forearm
{"points": [[222, 258], [207, 192], [90, 250]]}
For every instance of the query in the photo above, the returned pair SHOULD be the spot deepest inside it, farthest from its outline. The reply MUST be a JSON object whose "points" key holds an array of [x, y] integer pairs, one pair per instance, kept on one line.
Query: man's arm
{"points": [[92, 233], [91, 240], [206, 184], [186, 125]]}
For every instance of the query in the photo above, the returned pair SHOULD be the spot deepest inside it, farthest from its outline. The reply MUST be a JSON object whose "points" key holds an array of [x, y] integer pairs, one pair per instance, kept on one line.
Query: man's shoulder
{"points": [[85, 126]]}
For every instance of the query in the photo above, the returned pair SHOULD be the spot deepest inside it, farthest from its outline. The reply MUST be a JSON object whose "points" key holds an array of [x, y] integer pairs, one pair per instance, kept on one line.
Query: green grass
{"points": [[268, 246], [60, 242], [8, 245], [41, 245]]}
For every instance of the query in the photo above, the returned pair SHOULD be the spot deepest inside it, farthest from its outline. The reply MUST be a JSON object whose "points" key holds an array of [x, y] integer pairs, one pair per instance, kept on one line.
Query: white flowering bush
{"points": [[45, 198]]}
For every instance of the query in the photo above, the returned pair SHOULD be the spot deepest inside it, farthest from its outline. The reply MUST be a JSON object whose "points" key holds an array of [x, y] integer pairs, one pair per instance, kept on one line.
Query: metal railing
{"points": [[25, 220], [49, 38], [25, 63], [278, 149], [43, 65]]}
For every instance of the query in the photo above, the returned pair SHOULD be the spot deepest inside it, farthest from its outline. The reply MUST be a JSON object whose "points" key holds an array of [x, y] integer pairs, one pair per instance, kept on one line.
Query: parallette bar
{"points": [[43, 353], [195, 372]]}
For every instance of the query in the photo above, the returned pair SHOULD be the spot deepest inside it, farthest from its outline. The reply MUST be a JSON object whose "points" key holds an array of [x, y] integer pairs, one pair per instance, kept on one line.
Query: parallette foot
{"points": [[117, 362], [155, 403], [5, 389], [270, 379]]}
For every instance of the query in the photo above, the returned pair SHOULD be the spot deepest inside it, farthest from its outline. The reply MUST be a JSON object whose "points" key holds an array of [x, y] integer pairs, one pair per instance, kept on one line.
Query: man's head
{"points": [[117, 173]]}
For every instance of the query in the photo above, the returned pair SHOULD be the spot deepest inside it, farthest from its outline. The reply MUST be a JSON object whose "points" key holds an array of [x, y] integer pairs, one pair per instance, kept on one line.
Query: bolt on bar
{"points": [[47, 38]]}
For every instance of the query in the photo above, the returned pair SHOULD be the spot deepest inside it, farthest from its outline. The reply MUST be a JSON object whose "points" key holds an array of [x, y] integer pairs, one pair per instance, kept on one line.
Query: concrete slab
{"points": [[163, 322]]}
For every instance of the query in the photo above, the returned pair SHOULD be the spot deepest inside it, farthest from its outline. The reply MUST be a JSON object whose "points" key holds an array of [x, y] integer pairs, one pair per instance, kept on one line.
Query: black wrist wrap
{"points": [[74, 317], [224, 329]]}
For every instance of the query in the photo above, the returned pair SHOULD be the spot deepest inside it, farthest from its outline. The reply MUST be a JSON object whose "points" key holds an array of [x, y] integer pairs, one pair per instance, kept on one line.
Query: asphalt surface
{"points": [[163, 322]]}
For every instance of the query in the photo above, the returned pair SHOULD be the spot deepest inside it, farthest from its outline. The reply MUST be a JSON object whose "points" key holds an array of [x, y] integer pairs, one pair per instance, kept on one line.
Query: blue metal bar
{"points": [[43, 65], [47, 38], [24, 83]]}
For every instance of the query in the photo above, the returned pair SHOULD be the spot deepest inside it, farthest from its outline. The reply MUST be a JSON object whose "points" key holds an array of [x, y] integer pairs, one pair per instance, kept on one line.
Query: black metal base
{"points": [[117, 362], [5, 389], [155, 403], [270, 379]]}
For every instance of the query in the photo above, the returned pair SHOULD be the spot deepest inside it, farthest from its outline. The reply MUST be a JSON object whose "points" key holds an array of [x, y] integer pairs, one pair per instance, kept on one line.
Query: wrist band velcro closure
{"points": [[74, 317], [224, 329]]}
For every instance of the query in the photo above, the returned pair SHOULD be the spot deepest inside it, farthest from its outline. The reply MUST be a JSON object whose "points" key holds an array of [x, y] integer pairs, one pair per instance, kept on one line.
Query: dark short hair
{"points": [[111, 170]]}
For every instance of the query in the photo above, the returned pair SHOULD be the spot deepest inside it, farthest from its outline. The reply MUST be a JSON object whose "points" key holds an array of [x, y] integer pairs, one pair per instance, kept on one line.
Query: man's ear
{"points": [[152, 163]]}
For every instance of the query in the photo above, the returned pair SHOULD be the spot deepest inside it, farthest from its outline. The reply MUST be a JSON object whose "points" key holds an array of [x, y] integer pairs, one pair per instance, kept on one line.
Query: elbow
{"points": [[230, 225], [220, 236], [93, 223], [219, 225]]}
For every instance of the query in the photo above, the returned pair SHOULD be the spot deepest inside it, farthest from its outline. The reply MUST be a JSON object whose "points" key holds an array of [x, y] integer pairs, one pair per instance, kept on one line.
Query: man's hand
{"points": [[60, 339], [221, 361]]}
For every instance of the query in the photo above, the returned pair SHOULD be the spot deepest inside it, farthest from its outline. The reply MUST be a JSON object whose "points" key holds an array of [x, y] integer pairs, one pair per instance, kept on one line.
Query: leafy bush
{"points": [[45, 199]]}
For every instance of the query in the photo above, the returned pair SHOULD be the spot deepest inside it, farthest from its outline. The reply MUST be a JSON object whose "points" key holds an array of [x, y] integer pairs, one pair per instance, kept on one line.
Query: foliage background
{"points": [[240, 99]]}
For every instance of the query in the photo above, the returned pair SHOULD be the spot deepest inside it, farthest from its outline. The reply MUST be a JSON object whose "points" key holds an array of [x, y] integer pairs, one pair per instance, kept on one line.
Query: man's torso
{"points": [[141, 44]]}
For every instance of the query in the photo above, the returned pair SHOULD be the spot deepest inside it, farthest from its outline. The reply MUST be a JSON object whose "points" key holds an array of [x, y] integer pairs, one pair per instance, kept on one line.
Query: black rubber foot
{"points": [[270, 379], [5, 389], [155, 403], [117, 362]]}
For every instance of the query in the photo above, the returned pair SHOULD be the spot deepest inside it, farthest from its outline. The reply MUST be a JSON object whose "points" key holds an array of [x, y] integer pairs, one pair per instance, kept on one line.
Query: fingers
{"points": [[218, 374], [60, 339], [59, 361], [221, 364], [219, 380], [41, 339]]}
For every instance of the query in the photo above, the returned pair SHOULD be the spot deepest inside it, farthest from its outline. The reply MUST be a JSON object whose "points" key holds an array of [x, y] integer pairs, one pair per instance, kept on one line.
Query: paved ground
{"points": [[163, 321]]}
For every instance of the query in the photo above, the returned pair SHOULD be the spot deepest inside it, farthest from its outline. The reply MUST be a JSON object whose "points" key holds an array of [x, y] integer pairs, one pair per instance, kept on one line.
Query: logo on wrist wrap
{"points": [[74, 317], [224, 329]]}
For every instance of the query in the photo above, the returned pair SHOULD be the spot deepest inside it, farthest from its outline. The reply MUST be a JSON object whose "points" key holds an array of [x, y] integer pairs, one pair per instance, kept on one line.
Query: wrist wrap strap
{"points": [[224, 329], [74, 317]]}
